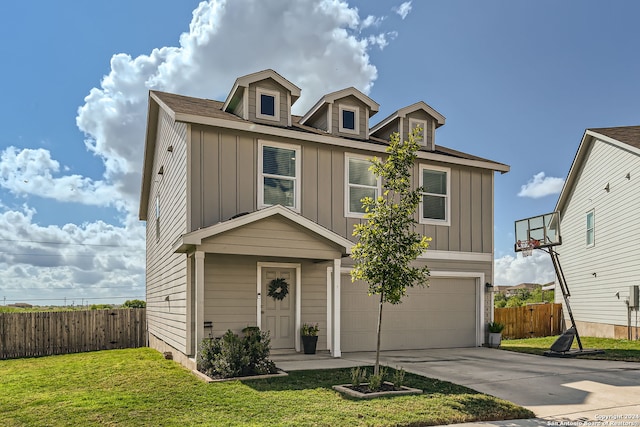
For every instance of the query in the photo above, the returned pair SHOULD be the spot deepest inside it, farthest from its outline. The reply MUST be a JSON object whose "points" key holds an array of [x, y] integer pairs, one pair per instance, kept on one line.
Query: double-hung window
{"points": [[591, 228], [361, 183], [436, 198], [279, 175], [349, 119], [267, 104]]}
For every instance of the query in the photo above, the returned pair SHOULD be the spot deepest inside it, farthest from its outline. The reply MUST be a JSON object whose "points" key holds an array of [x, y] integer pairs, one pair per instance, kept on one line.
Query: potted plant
{"points": [[309, 334], [495, 334]]}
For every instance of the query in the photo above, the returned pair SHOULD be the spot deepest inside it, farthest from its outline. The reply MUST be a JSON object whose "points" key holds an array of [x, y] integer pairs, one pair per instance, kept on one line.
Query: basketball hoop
{"points": [[527, 246]]}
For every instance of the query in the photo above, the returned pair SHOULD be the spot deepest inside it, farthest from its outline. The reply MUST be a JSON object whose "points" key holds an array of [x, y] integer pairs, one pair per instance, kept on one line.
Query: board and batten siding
{"points": [[166, 271], [231, 300], [224, 183], [617, 227]]}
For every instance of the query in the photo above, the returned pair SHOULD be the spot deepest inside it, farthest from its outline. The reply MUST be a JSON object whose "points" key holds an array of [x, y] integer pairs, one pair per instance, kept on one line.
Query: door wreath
{"points": [[278, 289]]}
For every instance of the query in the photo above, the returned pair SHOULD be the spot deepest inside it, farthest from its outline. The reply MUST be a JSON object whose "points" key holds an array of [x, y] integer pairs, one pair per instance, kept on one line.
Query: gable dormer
{"points": [[263, 97], [402, 121], [343, 113]]}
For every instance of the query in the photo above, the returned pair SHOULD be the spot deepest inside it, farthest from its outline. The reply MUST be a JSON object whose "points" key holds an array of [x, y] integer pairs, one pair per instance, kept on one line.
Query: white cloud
{"points": [[403, 10], [540, 186], [91, 260], [34, 172], [513, 270], [320, 45]]}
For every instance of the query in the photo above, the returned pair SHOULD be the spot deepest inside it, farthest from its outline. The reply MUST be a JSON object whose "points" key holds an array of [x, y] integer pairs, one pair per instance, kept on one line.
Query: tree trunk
{"points": [[376, 368]]}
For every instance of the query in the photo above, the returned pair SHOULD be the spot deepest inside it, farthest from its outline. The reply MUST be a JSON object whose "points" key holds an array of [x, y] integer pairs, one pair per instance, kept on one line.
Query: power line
{"points": [[66, 254], [67, 243]]}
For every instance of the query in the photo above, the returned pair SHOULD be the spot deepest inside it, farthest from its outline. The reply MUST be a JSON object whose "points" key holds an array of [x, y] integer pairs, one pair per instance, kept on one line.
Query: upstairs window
{"points": [[157, 218], [267, 104], [349, 119], [436, 198], [591, 228], [279, 174], [422, 124], [361, 183]]}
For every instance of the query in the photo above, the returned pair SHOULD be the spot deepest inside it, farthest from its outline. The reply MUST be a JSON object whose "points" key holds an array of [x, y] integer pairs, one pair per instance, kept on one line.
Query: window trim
{"points": [[347, 204], [157, 217], [356, 111], [276, 104], [297, 179], [592, 229], [447, 206], [423, 125]]}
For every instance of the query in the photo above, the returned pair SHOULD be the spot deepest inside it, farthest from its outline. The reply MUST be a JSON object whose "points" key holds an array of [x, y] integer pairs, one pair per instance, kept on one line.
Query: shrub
{"points": [[375, 381], [495, 327], [232, 356], [358, 375], [309, 330], [398, 377], [134, 303]]}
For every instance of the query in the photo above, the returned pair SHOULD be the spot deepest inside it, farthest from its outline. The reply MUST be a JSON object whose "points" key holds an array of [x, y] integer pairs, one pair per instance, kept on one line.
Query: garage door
{"points": [[440, 316]]}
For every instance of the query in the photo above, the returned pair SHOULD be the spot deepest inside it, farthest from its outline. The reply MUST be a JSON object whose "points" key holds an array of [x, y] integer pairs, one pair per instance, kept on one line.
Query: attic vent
{"points": [[422, 124]]}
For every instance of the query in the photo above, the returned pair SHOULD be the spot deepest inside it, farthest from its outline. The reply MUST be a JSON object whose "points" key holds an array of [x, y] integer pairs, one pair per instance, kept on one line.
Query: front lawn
{"points": [[138, 387], [614, 349]]}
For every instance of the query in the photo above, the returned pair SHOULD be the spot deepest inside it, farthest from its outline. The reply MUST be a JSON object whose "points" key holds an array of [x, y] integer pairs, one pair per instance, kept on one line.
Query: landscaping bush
{"points": [[233, 356]]}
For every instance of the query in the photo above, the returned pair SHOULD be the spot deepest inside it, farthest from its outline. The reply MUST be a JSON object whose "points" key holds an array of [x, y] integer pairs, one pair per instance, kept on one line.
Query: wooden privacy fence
{"points": [[535, 320], [45, 333]]}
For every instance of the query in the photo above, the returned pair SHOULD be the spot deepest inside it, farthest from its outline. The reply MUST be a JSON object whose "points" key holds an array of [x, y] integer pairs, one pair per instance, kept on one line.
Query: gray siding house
{"points": [[238, 193], [599, 225]]}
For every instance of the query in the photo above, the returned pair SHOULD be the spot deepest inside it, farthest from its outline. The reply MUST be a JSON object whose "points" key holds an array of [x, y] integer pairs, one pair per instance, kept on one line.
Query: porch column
{"points": [[335, 347], [199, 297]]}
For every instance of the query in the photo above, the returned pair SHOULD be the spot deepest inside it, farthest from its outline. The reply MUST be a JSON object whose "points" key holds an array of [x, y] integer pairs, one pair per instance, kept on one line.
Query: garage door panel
{"points": [[439, 316]]}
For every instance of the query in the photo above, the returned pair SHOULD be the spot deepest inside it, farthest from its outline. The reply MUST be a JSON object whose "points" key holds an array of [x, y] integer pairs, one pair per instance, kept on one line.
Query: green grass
{"points": [[138, 387], [614, 349]]}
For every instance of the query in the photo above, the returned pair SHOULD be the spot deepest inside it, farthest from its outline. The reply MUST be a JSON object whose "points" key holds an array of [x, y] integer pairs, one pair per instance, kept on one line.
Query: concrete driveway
{"points": [[583, 391]]}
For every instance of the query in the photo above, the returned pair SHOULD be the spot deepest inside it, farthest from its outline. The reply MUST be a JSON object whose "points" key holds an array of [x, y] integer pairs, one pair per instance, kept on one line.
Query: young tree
{"points": [[388, 242]]}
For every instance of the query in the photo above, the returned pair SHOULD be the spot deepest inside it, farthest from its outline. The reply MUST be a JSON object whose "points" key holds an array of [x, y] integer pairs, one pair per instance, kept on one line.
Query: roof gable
{"points": [[190, 240], [420, 105], [623, 137], [242, 83], [332, 97]]}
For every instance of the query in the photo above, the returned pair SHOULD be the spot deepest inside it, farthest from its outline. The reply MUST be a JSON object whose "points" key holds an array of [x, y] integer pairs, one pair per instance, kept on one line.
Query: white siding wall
{"points": [[166, 272], [614, 257]]}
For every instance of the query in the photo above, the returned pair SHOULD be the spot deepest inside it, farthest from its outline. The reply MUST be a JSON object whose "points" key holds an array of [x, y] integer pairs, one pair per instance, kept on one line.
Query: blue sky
{"points": [[518, 82]]}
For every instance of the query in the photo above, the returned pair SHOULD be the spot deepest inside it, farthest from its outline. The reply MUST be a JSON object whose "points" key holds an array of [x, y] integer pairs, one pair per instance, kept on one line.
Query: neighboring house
{"points": [[240, 192], [599, 224], [513, 290]]}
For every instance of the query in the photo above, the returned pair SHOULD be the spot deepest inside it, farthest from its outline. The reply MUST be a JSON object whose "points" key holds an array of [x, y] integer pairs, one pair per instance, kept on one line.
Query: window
{"points": [[279, 175], [349, 119], [157, 217], [361, 183], [422, 124], [435, 203], [267, 104], [591, 228]]}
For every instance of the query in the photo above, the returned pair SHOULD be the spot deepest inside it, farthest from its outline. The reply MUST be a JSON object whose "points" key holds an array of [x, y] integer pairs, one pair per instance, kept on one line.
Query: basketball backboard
{"points": [[539, 231]]}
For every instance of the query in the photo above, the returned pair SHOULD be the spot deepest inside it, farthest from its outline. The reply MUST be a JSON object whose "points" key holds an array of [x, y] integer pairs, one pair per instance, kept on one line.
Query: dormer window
{"points": [[349, 119], [268, 104], [422, 124]]}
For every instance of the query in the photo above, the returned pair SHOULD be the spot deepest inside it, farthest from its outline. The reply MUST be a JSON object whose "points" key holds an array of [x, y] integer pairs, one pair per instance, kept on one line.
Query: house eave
{"points": [[331, 140], [189, 242]]}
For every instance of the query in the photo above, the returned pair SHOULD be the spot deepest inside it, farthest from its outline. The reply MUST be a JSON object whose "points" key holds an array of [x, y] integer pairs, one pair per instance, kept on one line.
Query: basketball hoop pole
{"points": [[565, 290]]}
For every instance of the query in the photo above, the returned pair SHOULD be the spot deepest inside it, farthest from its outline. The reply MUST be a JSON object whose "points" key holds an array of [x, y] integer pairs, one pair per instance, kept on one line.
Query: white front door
{"points": [[278, 316]]}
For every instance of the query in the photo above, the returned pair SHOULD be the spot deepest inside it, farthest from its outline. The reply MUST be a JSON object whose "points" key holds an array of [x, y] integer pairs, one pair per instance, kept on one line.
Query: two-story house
{"points": [[240, 192], [599, 223]]}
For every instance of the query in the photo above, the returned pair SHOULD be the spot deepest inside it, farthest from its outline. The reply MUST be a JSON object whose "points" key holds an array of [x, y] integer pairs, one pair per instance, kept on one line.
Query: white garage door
{"points": [[441, 316]]}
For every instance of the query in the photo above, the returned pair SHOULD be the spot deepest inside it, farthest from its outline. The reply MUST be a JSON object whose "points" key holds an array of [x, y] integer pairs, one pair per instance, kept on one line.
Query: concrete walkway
{"points": [[559, 391]]}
